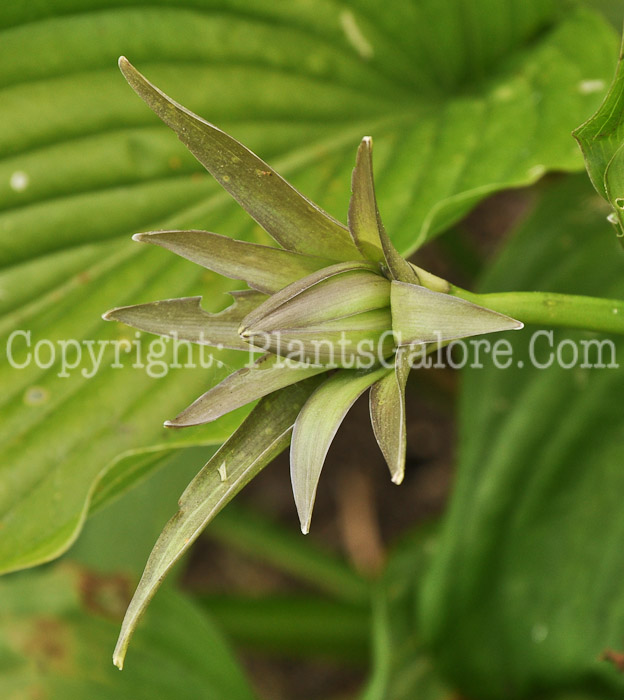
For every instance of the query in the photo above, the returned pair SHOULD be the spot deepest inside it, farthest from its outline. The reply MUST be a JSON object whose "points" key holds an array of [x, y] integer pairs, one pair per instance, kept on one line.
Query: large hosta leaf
{"points": [[460, 100], [58, 626], [525, 594]]}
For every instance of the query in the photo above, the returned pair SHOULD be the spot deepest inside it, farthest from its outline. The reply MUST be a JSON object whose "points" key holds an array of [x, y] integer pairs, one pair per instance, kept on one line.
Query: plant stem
{"points": [[550, 309]]}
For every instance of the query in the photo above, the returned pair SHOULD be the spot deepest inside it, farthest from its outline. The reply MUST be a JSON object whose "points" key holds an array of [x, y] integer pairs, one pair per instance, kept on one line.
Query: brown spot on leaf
{"points": [[105, 595], [47, 643], [175, 162]]}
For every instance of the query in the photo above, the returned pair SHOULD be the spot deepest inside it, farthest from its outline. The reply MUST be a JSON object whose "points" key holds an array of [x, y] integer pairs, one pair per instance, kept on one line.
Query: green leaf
{"points": [[324, 629], [283, 548], [264, 434], [316, 427], [291, 219], [420, 315], [58, 625], [525, 593], [261, 267], [603, 133], [401, 668], [250, 383], [601, 139], [460, 100], [387, 409], [186, 320]]}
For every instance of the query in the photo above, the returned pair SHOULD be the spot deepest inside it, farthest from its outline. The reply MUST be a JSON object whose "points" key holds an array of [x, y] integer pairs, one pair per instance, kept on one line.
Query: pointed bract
{"points": [[268, 374], [387, 409], [422, 316], [319, 298], [291, 219], [315, 429], [365, 223], [261, 267], [184, 319], [262, 436]]}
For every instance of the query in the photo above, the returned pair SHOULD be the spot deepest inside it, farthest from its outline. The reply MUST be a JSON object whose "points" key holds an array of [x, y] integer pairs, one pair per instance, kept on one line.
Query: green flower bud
{"points": [[337, 317]]}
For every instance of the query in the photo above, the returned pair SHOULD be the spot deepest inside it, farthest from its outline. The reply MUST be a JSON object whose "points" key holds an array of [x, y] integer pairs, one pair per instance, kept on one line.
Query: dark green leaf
{"points": [[401, 668], [525, 594]]}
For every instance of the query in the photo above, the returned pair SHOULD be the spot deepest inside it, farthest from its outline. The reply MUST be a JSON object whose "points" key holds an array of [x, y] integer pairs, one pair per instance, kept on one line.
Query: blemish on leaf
{"points": [[619, 203], [503, 93], [19, 181], [104, 595], [223, 472], [48, 644], [536, 171], [36, 395], [354, 35], [588, 87], [175, 162]]}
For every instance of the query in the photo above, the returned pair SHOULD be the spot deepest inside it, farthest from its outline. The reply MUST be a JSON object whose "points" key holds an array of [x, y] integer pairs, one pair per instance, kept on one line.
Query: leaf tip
{"points": [[397, 478], [140, 237], [124, 64], [118, 659]]}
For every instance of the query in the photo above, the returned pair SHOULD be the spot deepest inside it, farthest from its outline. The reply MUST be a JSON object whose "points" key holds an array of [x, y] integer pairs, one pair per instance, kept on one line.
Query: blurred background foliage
{"points": [[517, 593]]}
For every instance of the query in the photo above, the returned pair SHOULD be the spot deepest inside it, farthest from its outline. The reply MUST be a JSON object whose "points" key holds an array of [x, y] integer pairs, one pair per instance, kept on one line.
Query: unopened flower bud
{"points": [[339, 317]]}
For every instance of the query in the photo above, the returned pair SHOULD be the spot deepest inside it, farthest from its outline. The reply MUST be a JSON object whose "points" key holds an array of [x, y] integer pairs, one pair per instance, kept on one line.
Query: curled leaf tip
{"points": [[139, 237], [398, 478]]}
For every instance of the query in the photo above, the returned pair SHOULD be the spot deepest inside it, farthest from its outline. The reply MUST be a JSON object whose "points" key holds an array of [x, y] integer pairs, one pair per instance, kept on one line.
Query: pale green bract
{"points": [[325, 284]]}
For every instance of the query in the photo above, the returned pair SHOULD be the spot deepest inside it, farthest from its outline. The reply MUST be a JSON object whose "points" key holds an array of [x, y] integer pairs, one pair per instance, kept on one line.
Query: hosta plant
{"points": [[329, 312]]}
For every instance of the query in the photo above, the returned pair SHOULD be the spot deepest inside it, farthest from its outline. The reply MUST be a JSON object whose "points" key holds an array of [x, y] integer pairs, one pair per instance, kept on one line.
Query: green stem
{"points": [[550, 309]]}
